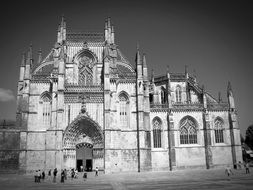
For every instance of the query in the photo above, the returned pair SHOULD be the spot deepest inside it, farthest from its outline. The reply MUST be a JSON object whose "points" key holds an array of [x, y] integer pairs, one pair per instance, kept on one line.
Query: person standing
{"points": [[96, 171], [65, 174], [55, 173], [247, 168], [62, 176], [228, 171], [36, 176], [43, 175]]}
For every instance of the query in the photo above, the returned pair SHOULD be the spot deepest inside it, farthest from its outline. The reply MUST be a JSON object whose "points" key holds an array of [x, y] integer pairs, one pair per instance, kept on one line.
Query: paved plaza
{"points": [[180, 179]]}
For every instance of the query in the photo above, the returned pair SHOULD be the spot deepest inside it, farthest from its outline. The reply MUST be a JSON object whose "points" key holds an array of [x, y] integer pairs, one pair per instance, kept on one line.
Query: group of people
{"points": [[228, 170], [40, 175]]}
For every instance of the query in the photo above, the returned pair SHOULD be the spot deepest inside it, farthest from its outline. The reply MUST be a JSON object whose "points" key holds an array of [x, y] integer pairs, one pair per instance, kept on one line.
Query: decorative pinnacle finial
{"points": [[137, 46], [23, 59], [168, 68], [40, 56], [219, 97], [144, 60]]}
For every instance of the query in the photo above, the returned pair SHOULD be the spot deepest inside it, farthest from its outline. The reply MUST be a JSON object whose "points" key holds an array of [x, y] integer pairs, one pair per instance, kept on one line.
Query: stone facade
{"points": [[85, 104]]}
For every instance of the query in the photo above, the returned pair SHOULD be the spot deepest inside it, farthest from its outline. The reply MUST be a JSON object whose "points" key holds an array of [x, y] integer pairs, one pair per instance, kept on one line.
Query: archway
{"points": [[83, 144]]}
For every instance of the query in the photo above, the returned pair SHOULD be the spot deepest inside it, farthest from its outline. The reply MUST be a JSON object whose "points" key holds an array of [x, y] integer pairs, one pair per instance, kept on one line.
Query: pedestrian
{"points": [[43, 175], [81, 167], [228, 171], [39, 176], [65, 174], [36, 176], [247, 168], [62, 176], [96, 171], [72, 173], [55, 174]]}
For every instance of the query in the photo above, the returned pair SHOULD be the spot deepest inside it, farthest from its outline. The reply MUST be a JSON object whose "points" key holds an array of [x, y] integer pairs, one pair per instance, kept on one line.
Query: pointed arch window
{"points": [[218, 131], [46, 108], [188, 131], [123, 110], [178, 94], [157, 132]]}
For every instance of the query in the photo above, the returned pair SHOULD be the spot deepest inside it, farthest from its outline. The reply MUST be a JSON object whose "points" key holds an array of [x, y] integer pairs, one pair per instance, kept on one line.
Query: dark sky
{"points": [[213, 37]]}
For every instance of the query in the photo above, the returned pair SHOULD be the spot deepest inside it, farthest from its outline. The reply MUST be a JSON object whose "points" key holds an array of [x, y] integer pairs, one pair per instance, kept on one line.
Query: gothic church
{"points": [[85, 104]]}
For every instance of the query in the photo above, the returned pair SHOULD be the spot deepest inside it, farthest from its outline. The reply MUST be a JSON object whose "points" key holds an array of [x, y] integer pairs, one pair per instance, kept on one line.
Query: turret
{"points": [[112, 35], [29, 63], [186, 71], [153, 76], [219, 98], [204, 97], [40, 56], [230, 96], [168, 88], [145, 68], [61, 34], [138, 63], [22, 68], [109, 32]]}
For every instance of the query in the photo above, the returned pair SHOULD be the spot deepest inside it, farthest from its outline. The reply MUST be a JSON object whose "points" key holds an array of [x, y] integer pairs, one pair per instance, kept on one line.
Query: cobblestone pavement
{"points": [[180, 179]]}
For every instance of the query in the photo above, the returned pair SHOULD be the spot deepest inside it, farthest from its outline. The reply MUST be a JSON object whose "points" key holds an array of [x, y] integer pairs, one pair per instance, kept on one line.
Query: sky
{"points": [[214, 38]]}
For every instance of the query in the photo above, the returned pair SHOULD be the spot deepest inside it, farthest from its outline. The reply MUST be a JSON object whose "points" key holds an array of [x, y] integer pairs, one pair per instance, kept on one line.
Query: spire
{"points": [[230, 96], [144, 61], [29, 59], [144, 67], [194, 75], [112, 35], [203, 89], [138, 57], [168, 71], [219, 97], [40, 56], [108, 22], [63, 21], [23, 62], [229, 89], [186, 71], [153, 76], [106, 26]]}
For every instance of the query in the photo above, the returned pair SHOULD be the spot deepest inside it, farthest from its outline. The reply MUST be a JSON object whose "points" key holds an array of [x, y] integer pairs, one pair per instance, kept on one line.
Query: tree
{"points": [[249, 136]]}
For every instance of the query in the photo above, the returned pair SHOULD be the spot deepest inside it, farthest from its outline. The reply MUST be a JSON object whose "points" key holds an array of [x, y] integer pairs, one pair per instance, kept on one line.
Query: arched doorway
{"points": [[83, 144]]}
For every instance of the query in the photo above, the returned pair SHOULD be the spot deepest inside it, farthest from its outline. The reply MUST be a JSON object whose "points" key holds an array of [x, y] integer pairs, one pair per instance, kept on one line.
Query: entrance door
{"points": [[89, 164], [79, 163]]}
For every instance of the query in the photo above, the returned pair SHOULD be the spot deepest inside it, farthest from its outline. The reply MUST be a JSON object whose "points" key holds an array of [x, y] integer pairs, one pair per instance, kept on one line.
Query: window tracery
{"points": [[85, 70], [123, 109], [178, 94], [157, 133], [218, 131], [188, 132], [46, 109]]}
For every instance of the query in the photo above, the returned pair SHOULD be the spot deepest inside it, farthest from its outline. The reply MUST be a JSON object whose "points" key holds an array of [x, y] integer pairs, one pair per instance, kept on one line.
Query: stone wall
{"points": [[9, 149]]}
